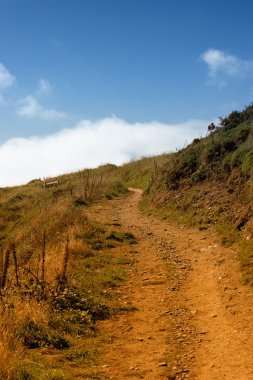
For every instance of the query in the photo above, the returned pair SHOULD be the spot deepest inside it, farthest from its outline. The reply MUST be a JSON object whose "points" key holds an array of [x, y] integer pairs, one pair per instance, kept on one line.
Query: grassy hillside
{"points": [[210, 183], [58, 269], [140, 173]]}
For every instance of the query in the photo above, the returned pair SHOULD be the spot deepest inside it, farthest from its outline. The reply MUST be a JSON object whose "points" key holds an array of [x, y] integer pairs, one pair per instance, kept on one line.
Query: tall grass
{"points": [[58, 269], [140, 173]]}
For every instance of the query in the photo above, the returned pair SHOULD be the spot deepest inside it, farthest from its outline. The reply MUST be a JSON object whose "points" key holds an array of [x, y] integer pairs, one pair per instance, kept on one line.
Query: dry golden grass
{"points": [[11, 353], [40, 309], [15, 313]]}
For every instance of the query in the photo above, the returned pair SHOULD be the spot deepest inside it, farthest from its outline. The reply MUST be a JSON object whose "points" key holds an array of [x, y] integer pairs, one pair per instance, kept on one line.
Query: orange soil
{"points": [[194, 319]]}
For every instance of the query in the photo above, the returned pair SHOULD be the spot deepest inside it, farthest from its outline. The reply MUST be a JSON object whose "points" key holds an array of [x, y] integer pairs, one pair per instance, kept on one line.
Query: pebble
{"points": [[162, 364]]}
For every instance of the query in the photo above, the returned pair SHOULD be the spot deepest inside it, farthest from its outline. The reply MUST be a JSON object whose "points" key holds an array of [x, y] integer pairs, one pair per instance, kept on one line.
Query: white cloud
{"points": [[90, 144], [222, 65], [31, 108], [6, 81], [44, 86], [6, 78]]}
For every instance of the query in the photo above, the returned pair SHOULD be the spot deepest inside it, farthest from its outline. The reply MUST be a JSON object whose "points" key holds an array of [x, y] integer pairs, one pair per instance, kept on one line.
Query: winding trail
{"points": [[193, 318]]}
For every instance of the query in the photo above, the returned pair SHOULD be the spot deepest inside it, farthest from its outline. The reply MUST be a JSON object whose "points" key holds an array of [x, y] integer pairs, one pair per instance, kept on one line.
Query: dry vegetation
{"points": [[58, 271]]}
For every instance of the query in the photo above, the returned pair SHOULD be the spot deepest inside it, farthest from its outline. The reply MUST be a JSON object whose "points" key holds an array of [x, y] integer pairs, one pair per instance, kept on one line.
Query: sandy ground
{"points": [[193, 318]]}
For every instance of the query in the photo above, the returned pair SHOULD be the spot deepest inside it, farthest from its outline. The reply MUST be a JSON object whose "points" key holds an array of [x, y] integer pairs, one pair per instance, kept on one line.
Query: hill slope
{"points": [[61, 264], [210, 182]]}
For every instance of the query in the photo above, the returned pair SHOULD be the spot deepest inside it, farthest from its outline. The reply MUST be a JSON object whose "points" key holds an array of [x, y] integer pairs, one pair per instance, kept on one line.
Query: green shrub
{"points": [[36, 335], [81, 202], [247, 164], [242, 135], [127, 237], [72, 299], [114, 189], [238, 156]]}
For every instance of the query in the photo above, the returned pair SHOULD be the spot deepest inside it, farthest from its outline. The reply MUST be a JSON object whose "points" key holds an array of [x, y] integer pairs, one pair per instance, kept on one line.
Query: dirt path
{"points": [[194, 320]]}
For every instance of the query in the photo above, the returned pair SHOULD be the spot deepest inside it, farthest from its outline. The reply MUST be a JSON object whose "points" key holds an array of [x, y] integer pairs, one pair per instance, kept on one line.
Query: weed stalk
{"points": [[13, 249], [43, 261], [65, 260], [5, 266]]}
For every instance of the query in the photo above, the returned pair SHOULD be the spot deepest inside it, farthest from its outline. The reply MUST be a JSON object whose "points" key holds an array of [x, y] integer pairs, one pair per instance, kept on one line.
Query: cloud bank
{"points": [[90, 144], [222, 65]]}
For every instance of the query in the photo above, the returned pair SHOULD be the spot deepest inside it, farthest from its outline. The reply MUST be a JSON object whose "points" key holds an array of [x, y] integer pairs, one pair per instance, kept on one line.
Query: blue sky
{"points": [[156, 67]]}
